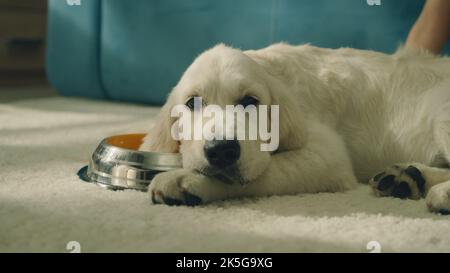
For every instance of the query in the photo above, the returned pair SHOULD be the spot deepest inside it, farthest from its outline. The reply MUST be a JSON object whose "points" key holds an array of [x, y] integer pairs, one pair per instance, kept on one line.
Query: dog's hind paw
{"points": [[400, 181], [438, 198]]}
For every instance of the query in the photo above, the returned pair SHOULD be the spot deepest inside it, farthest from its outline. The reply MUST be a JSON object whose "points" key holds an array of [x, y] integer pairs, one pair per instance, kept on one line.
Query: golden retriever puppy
{"points": [[345, 115]]}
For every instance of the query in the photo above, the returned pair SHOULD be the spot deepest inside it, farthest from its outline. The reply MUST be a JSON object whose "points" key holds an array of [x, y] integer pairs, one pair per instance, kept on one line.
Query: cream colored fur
{"points": [[345, 115]]}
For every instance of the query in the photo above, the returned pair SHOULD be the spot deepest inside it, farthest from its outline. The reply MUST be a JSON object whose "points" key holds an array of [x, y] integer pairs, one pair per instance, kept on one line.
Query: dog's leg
{"points": [[411, 181], [416, 180], [321, 165], [438, 198]]}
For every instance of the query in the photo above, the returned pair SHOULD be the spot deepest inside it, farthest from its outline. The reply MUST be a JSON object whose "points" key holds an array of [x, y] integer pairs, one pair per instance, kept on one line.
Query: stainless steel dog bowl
{"points": [[117, 164]]}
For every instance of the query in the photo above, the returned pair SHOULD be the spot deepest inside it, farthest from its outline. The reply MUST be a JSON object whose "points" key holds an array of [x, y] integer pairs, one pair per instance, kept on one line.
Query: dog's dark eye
{"points": [[248, 100], [190, 103]]}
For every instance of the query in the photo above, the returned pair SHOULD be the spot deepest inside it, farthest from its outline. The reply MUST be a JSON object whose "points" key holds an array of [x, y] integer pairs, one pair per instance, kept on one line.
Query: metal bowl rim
{"points": [[104, 143]]}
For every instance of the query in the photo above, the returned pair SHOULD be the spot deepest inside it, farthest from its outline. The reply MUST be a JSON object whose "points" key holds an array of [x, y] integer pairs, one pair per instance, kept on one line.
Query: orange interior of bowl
{"points": [[131, 141]]}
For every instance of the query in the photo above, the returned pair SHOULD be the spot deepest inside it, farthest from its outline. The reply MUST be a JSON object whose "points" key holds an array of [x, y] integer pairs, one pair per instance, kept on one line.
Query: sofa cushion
{"points": [[137, 50], [146, 45], [73, 49]]}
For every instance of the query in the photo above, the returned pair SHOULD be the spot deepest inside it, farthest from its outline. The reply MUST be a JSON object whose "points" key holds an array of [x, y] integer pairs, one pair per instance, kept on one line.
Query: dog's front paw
{"points": [[400, 181], [174, 188], [438, 198]]}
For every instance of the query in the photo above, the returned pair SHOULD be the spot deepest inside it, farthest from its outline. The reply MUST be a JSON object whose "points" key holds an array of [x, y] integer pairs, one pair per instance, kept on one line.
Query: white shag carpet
{"points": [[43, 204]]}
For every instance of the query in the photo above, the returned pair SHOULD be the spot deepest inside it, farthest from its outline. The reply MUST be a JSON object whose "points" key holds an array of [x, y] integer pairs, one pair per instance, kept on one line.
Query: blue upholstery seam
{"points": [[99, 51], [273, 21]]}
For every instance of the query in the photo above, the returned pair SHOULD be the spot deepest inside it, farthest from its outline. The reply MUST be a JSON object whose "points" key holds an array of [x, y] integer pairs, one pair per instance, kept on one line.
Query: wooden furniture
{"points": [[22, 41]]}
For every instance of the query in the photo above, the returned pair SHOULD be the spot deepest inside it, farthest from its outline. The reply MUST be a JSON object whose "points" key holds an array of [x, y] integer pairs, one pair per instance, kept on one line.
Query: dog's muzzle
{"points": [[222, 153]]}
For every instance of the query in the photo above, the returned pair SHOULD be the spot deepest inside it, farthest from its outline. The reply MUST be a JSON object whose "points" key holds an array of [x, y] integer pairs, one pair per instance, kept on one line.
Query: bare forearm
{"points": [[431, 30]]}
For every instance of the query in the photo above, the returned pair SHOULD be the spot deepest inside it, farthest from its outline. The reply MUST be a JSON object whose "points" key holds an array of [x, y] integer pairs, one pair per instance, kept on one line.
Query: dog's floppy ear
{"points": [[291, 121], [159, 139]]}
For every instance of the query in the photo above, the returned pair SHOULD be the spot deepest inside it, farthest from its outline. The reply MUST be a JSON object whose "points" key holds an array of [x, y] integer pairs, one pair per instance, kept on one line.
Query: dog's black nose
{"points": [[222, 153]]}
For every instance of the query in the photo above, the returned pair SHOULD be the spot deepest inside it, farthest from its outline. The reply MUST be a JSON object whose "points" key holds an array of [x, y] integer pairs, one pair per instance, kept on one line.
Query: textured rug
{"points": [[44, 206]]}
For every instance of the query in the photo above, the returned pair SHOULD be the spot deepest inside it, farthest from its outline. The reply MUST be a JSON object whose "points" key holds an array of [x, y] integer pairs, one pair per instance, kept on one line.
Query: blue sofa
{"points": [[136, 50]]}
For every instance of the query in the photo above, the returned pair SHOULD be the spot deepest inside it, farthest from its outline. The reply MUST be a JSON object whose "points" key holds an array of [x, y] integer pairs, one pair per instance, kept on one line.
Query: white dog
{"points": [[345, 115]]}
